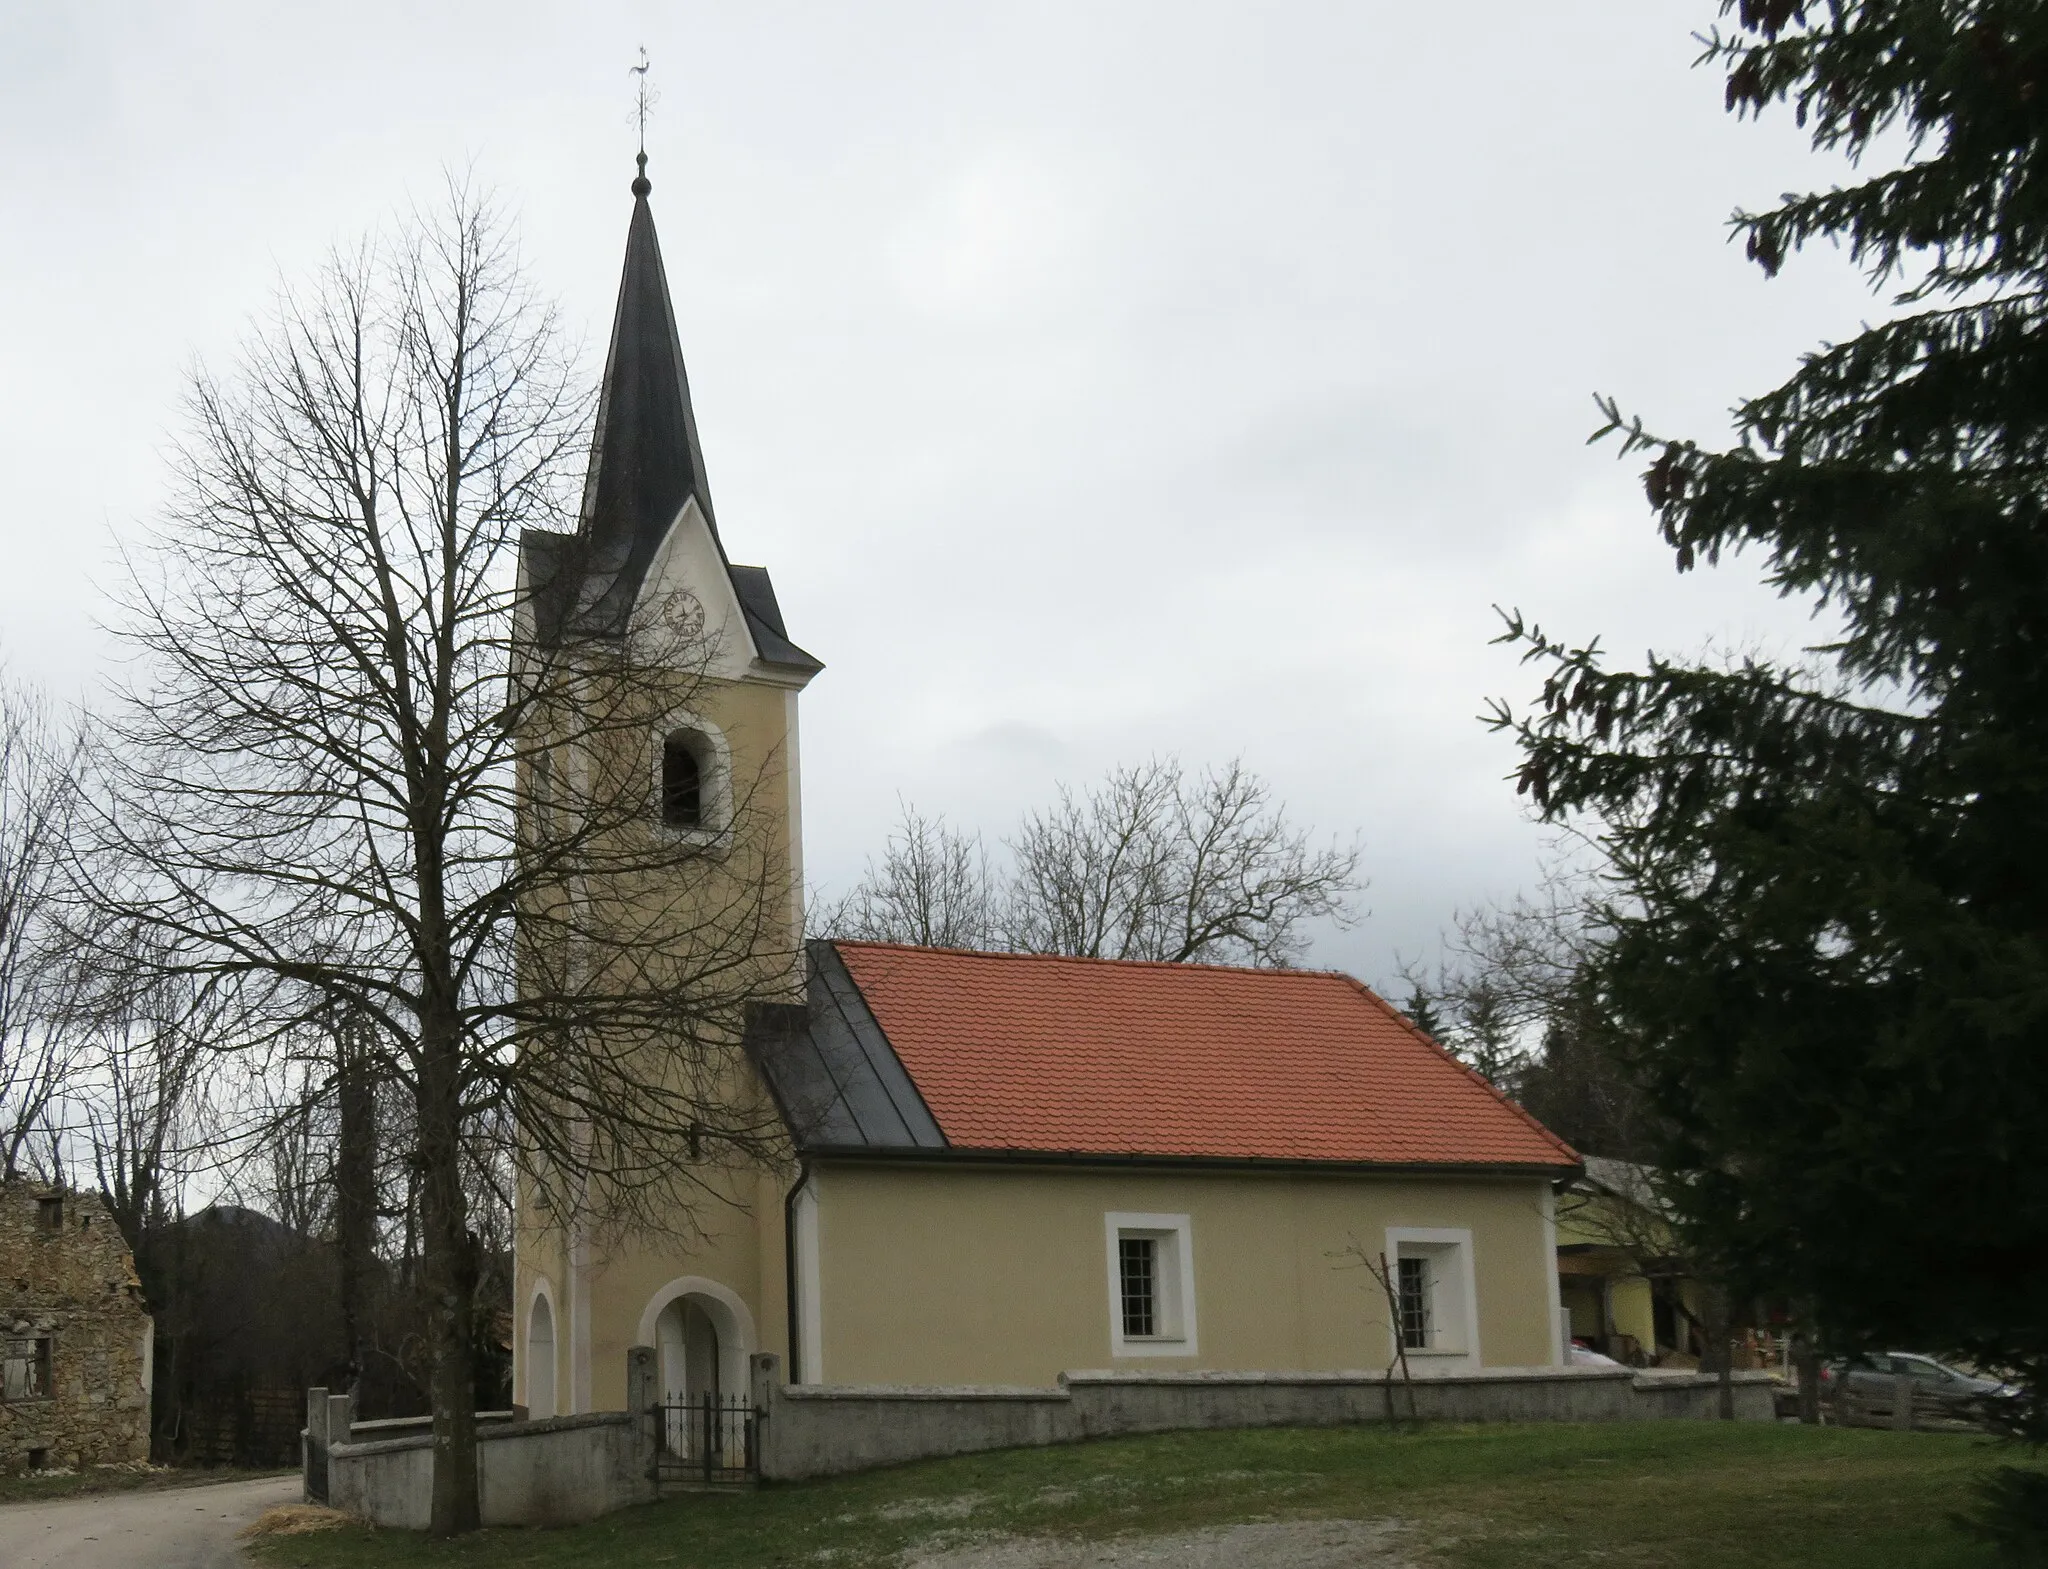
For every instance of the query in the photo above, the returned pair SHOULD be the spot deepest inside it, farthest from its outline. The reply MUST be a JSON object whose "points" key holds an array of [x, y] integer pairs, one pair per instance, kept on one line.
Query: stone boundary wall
{"points": [[825, 1430], [567, 1469], [558, 1471]]}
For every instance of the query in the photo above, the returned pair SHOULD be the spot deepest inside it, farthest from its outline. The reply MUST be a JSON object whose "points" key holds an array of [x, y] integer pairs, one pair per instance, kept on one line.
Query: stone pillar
{"points": [[1902, 1403], [314, 1439], [341, 1415], [642, 1391], [764, 1390]]}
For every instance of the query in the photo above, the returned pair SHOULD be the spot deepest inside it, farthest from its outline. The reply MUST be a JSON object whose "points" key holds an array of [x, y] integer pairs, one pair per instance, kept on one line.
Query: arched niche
{"points": [[540, 1355]]}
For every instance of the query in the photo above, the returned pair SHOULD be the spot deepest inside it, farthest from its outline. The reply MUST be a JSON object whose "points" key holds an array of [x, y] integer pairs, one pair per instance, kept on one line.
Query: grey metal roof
{"points": [[1627, 1180], [764, 618], [838, 1082]]}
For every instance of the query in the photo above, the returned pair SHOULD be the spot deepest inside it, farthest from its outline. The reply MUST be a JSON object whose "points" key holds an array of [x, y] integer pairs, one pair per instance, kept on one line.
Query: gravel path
{"points": [[165, 1528], [1290, 1544]]}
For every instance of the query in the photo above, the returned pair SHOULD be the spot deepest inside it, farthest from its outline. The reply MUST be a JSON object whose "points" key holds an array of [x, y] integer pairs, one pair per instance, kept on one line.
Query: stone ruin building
{"points": [[75, 1341]]}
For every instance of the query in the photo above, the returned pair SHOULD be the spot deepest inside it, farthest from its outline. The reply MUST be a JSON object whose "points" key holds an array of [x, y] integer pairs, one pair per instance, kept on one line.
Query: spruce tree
{"points": [[1828, 942]]}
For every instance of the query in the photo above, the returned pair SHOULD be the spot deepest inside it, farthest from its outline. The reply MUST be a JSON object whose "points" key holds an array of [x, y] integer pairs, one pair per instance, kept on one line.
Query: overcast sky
{"points": [[1097, 380]]}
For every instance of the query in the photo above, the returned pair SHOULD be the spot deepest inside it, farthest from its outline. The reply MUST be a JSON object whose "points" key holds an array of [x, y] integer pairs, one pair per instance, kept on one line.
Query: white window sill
{"points": [[712, 839], [1436, 1351]]}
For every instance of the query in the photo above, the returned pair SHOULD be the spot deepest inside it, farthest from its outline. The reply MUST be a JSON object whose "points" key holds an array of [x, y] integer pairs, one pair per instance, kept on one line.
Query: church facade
{"points": [[994, 1168]]}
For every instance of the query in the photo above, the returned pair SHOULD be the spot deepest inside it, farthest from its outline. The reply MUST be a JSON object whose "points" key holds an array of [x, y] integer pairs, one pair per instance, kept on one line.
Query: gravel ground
{"points": [[1290, 1544], [169, 1528]]}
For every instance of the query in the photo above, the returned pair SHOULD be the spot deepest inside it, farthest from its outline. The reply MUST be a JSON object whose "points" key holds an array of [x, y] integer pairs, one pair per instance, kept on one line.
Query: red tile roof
{"points": [[1091, 1056]]}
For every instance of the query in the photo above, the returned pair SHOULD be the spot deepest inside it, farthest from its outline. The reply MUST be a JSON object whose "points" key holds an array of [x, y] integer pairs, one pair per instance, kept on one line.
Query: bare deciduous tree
{"points": [[1386, 1285], [1506, 996], [37, 797], [934, 887], [141, 1104], [332, 779], [1507, 975], [1153, 863]]}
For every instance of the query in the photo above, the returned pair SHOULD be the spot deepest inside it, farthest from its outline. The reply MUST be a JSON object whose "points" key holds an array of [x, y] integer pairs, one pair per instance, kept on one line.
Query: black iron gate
{"points": [[316, 1469], [706, 1440]]}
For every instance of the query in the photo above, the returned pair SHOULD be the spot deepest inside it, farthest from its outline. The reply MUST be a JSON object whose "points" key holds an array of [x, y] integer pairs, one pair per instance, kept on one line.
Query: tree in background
{"points": [[37, 800], [1153, 863], [1828, 941], [934, 887], [1509, 997]]}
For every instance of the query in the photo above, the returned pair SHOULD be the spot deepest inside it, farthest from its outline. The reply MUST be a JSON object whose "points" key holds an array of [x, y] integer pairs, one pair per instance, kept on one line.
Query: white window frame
{"points": [[1174, 1265], [1454, 1296]]}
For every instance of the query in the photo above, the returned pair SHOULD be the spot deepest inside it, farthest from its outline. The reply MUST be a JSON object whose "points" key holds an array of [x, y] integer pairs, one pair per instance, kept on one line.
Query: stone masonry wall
{"points": [[67, 1275]]}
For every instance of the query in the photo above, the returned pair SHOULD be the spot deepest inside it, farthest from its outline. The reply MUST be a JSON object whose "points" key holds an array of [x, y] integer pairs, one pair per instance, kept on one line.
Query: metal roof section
{"points": [[838, 1082], [764, 620]]}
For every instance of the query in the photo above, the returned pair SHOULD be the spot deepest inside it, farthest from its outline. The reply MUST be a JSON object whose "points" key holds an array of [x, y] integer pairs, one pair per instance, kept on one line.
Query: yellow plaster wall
{"points": [[938, 1276], [739, 1246], [1633, 1312], [740, 1216]]}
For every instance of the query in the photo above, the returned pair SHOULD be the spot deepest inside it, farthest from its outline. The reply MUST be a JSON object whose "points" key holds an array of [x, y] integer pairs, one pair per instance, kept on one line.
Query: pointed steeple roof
{"points": [[645, 466], [645, 462]]}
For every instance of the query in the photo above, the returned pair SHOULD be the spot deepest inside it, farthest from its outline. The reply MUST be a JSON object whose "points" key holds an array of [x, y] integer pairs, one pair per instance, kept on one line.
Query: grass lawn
{"points": [[116, 1479], [1697, 1494]]}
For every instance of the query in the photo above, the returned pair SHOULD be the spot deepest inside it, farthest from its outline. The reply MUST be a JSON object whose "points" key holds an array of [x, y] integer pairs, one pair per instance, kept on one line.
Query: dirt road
{"points": [[167, 1528]]}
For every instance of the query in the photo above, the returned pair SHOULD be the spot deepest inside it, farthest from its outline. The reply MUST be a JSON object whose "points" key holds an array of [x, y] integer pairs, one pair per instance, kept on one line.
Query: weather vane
{"points": [[645, 98]]}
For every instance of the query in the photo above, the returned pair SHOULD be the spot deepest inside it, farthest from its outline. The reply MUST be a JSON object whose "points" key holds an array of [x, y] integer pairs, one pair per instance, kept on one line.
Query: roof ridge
{"points": [[1180, 965]]}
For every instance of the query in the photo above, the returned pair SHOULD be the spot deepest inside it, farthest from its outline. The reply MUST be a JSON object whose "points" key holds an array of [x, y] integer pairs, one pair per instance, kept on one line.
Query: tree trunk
{"points": [[1806, 1358], [1719, 1349], [448, 1267], [355, 1189]]}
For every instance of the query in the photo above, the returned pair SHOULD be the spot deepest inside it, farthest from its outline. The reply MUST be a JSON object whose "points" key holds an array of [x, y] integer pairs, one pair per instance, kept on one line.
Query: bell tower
{"points": [[648, 535], [721, 765]]}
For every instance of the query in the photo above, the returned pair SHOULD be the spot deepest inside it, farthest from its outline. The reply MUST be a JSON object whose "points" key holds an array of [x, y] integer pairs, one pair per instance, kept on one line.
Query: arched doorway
{"points": [[540, 1358], [688, 1340], [702, 1335], [689, 1346]]}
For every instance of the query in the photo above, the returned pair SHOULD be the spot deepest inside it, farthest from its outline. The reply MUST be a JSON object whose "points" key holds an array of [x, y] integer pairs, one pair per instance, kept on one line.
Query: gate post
{"points": [[1902, 1402], [641, 1394], [313, 1448], [764, 1380]]}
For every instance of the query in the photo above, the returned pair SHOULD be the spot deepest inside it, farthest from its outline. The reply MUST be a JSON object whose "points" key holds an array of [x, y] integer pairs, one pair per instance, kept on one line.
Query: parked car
{"points": [[1869, 1384], [1583, 1355]]}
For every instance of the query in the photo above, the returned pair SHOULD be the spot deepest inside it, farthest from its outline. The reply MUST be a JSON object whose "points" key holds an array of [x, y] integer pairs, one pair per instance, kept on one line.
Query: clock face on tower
{"points": [[687, 613]]}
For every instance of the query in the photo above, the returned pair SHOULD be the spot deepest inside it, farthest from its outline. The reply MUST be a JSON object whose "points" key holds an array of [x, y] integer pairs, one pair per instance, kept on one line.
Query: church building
{"points": [[996, 1168]]}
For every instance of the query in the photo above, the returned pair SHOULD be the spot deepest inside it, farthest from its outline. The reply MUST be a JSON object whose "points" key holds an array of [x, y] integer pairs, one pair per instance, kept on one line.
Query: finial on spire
{"points": [[644, 101]]}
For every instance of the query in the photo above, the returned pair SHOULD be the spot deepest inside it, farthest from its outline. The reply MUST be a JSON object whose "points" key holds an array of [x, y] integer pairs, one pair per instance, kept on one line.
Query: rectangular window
{"points": [[25, 1368], [50, 1214], [1413, 1288], [1435, 1306], [1151, 1285], [1138, 1273]]}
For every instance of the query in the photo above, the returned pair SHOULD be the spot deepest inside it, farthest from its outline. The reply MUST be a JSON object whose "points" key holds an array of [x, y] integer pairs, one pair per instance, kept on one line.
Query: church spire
{"points": [[645, 463]]}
